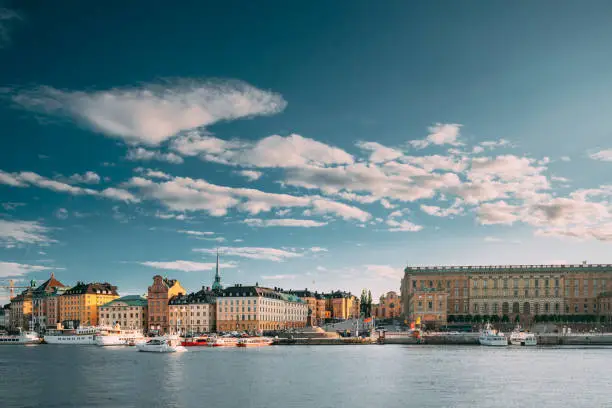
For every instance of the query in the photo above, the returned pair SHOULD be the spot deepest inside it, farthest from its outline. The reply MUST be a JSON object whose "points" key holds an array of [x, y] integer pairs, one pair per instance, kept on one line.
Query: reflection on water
{"points": [[355, 376]]}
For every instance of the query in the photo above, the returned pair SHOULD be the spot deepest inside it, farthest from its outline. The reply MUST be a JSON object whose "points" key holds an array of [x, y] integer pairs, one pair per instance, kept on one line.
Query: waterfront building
{"points": [[21, 310], [5, 319], [80, 303], [508, 292], [193, 313], [316, 305], [158, 296], [45, 305], [255, 308], [389, 306], [342, 305], [129, 312]]}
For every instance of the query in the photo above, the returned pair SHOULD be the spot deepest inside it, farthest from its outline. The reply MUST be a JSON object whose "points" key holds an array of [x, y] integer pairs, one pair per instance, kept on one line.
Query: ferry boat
{"points": [[118, 337], [255, 342], [27, 337], [520, 337], [222, 342], [168, 344], [79, 336], [199, 341], [490, 337]]}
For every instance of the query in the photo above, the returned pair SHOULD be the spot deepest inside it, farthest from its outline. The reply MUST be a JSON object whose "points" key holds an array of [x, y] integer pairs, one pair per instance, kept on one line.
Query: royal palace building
{"points": [[443, 293]]}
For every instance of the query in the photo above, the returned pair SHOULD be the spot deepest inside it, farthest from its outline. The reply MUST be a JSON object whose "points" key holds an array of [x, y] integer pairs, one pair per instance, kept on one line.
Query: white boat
{"points": [[118, 337], [169, 344], [255, 342], [520, 337], [80, 336], [222, 341], [27, 337], [490, 337]]}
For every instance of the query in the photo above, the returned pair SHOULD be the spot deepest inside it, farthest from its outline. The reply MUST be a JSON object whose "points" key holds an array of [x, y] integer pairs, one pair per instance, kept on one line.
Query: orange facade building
{"points": [[80, 303], [389, 307], [159, 294]]}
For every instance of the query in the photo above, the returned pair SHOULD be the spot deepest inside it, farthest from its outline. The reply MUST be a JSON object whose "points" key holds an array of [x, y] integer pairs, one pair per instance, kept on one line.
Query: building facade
{"points": [[316, 305], [389, 306], [506, 291], [158, 296], [45, 305], [341, 305], [21, 310], [5, 316], [194, 313], [80, 303], [129, 312], [255, 308]]}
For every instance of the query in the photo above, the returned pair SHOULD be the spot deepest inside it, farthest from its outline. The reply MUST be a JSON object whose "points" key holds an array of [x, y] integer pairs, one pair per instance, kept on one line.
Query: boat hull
{"points": [[18, 340], [82, 340], [118, 340], [493, 342], [524, 342], [162, 348]]}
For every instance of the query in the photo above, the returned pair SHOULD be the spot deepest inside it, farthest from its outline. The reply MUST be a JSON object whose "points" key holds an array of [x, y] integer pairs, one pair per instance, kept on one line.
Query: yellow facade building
{"points": [[389, 306], [21, 310], [158, 296], [129, 312], [81, 302], [342, 305]]}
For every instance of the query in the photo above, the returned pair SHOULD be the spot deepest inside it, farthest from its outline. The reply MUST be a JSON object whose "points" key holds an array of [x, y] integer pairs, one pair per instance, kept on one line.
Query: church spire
{"points": [[217, 283]]}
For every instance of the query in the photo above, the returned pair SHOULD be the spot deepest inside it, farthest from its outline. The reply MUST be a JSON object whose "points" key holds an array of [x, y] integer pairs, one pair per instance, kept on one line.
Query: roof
{"points": [[92, 288], [239, 290], [306, 294], [584, 267], [339, 294], [48, 286], [130, 300], [203, 296]]}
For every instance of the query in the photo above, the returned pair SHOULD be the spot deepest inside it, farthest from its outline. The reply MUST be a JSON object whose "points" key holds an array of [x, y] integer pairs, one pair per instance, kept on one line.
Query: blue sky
{"points": [[320, 145]]}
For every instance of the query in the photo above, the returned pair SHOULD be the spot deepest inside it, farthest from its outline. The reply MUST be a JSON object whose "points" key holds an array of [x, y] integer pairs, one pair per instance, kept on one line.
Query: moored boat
{"points": [[490, 337], [222, 342], [118, 337], [164, 344], [254, 342], [24, 337], [519, 337], [79, 336], [198, 341]]}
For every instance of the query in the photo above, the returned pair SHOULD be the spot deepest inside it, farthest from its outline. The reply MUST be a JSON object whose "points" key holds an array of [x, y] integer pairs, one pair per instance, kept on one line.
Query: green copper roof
{"points": [[131, 300]]}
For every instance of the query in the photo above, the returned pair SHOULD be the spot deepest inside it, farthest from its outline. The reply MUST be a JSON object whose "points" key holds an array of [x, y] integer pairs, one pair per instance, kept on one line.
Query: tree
{"points": [[363, 300], [369, 303]]}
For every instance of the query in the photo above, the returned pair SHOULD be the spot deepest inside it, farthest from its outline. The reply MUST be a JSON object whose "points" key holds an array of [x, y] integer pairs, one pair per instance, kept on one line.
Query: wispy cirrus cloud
{"points": [[13, 233], [142, 154], [151, 113], [285, 222], [259, 253], [10, 269], [7, 18], [602, 155], [187, 266]]}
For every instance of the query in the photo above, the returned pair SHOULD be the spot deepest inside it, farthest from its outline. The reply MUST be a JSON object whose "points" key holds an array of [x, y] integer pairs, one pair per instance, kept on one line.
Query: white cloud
{"points": [[498, 212], [259, 253], [380, 153], [7, 18], [171, 216], [251, 175], [89, 177], [402, 226], [318, 249], [187, 266], [603, 155], [385, 203], [385, 271], [153, 113], [285, 222], [272, 151], [142, 154], [61, 213], [156, 174], [196, 233], [10, 269], [565, 158], [455, 209], [278, 277], [23, 232], [439, 134]]}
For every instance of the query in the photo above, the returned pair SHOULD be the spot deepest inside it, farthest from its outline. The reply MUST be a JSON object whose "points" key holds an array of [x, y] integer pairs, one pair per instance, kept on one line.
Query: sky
{"points": [[320, 145]]}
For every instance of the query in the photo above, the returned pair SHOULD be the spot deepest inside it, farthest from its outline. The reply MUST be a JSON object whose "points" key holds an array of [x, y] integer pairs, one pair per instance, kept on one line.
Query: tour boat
{"points": [[118, 337], [27, 337], [222, 342], [200, 341], [168, 344], [254, 342], [490, 337], [521, 338], [80, 336]]}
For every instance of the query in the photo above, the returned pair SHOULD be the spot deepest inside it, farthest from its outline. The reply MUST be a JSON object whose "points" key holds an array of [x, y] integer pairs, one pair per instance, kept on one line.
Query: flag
{"points": [[368, 320]]}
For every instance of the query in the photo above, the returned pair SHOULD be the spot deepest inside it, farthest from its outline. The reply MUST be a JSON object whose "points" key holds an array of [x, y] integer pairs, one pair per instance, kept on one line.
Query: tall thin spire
{"points": [[217, 282]]}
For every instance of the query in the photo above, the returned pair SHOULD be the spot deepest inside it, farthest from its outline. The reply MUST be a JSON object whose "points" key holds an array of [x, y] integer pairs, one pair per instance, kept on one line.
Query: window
{"points": [[456, 307], [456, 292], [475, 307], [576, 288], [494, 283], [475, 284], [505, 283], [495, 308], [537, 293], [526, 292]]}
